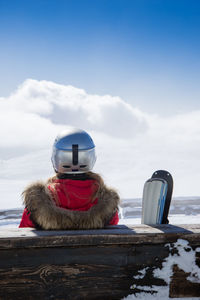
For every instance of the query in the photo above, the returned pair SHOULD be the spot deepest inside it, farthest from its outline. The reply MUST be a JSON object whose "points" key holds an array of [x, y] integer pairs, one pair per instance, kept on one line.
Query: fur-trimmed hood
{"points": [[44, 212]]}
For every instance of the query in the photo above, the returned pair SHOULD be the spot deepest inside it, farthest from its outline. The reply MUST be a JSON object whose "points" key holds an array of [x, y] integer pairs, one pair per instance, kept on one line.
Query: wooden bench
{"points": [[94, 264]]}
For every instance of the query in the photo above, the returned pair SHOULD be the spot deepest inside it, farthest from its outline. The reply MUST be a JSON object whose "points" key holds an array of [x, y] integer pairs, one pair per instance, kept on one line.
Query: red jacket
{"points": [[73, 195]]}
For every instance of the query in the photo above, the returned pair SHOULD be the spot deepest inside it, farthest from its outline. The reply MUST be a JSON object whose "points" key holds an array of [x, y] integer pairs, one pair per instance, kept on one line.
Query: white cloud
{"points": [[69, 105], [130, 143]]}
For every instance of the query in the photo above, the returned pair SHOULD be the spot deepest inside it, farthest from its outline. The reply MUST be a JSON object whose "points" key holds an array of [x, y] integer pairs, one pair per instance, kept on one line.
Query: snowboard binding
{"points": [[157, 194]]}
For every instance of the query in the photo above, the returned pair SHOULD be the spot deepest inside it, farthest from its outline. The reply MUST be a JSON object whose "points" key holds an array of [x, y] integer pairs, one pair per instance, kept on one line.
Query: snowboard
{"points": [[157, 194]]}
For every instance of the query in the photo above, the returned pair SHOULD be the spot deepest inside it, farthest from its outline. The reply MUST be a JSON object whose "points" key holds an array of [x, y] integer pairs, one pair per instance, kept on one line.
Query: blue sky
{"points": [[146, 52]]}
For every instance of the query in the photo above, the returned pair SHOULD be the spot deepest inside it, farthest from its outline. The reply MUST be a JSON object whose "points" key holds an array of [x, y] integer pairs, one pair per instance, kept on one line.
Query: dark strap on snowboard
{"points": [[162, 174], [81, 176]]}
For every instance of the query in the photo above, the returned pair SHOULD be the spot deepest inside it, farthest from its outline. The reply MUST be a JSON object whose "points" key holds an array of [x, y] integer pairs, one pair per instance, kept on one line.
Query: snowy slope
{"points": [[182, 211]]}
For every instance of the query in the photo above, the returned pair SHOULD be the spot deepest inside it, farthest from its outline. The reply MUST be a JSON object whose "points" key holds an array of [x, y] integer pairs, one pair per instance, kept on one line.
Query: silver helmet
{"points": [[73, 152]]}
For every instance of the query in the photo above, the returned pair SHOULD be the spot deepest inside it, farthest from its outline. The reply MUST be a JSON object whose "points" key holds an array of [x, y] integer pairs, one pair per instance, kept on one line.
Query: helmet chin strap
{"points": [[83, 176]]}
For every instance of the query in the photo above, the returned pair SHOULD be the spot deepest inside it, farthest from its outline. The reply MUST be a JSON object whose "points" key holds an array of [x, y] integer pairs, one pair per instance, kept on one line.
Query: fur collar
{"points": [[44, 212]]}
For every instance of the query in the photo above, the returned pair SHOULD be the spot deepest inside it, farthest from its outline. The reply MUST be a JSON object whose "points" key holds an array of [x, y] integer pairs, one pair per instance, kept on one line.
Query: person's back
{"points": [[75, 198]]}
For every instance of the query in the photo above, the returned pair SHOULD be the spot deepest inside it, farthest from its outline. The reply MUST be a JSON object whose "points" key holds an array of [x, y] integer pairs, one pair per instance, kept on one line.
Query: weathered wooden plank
{"points": [[117, 229], [20, 238], [102, 255], [65, 282], [82, 273]]}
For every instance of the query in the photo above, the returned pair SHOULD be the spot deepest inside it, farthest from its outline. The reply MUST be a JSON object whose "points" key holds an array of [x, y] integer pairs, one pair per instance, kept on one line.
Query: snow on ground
{"points": [[173, 219], [182, 211]]}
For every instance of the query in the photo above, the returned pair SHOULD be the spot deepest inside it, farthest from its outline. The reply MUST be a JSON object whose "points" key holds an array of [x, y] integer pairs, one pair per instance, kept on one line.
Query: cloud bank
{"points": [[131, 144]]}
